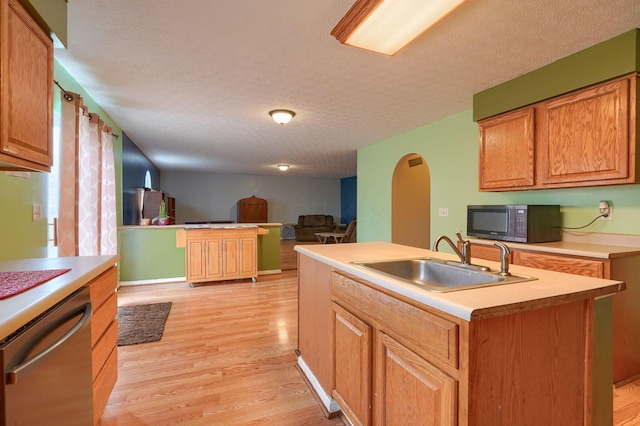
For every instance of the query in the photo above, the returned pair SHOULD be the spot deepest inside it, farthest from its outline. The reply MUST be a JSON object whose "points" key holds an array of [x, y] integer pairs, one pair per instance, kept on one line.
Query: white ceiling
{"points": [[191, 82]]}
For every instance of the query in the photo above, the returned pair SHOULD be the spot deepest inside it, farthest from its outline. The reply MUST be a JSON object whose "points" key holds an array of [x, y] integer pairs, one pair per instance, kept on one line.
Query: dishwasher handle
{"points": [[25, 367]]}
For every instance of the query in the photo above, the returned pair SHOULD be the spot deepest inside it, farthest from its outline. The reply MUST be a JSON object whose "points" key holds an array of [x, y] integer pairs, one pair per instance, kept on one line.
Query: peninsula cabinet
{"points": [[400, 362], [583, 138], [26, 86], [104, 338], [221, 254], [625, 306]]}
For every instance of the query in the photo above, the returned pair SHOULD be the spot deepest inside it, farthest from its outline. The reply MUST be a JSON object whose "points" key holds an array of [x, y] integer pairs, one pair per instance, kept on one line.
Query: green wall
{"points": [[22, 238], [450, 149]]}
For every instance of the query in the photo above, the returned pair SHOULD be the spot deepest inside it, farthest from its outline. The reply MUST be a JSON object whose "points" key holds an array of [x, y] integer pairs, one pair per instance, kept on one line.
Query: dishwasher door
{"points": [[47, 376]]}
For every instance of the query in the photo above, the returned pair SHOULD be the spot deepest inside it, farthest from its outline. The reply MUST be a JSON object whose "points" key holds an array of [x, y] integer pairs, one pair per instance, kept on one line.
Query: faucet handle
{"points": [[459, 236], [505, 255]]}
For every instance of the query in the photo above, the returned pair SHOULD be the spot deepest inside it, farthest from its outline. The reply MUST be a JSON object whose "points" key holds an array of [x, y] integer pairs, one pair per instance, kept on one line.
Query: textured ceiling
{"points": [[191, 82]]}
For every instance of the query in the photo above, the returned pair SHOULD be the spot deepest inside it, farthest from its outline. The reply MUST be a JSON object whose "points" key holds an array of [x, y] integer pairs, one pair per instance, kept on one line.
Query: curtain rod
{"points": [[69, 98]]}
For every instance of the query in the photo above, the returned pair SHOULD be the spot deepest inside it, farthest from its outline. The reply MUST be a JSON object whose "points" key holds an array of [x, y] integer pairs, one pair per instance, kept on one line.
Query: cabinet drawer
{"points": [[102, 318], [101, 351], [566, 264], [103, 385], [102, 287], [421, 330]]}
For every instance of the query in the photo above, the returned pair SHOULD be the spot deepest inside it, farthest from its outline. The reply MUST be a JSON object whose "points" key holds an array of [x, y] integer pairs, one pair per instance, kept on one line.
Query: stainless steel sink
{"points": [[439, 275]]}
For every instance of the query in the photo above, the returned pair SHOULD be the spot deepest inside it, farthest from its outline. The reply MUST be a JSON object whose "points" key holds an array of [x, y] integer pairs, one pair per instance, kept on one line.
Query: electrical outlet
{"points": [[443, 211], [36, 213], [610, 215]]}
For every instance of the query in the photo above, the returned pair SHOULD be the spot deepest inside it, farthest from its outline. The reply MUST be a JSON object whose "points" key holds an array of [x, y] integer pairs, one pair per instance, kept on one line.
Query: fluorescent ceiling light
{"points": [[283, 167], [386, 26]]}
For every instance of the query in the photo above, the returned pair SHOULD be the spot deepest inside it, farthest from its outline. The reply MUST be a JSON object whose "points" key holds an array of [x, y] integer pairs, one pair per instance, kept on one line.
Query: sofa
{"points": [[309, 224]]}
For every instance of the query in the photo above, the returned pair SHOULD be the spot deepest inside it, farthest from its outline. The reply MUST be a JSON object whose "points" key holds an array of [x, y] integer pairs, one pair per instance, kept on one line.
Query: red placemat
{"points": [[12, 283]]}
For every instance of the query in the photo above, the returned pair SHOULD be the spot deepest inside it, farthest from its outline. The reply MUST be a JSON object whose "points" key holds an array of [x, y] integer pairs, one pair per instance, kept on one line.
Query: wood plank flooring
{"points": [[227, 358]]}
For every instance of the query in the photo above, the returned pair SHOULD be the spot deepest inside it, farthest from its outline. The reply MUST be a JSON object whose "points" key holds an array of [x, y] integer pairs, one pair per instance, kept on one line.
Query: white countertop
{"points": [[551, 288], [17, 310]]}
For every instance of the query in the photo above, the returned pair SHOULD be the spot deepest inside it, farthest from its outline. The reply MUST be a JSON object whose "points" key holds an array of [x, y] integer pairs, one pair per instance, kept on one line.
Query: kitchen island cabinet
{"points": [[592, 260], [216, 253], [26, 83], [492, 355]]}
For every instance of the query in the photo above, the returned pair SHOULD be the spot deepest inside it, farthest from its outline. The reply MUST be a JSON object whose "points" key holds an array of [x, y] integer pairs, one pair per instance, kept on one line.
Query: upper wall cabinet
{"points": [[584, 138], [26, 85]]}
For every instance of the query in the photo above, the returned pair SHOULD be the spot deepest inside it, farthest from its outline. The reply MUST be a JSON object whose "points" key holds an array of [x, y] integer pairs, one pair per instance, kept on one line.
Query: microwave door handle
{"points": [[24, 368]]}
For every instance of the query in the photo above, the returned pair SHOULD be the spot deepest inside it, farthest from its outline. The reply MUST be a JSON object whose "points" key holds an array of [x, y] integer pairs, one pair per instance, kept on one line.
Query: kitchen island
{"points": [[384, 350]]}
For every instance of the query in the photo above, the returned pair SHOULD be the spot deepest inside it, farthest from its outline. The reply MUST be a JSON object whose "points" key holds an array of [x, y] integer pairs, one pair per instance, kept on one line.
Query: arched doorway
{"points": [[411, 202]]}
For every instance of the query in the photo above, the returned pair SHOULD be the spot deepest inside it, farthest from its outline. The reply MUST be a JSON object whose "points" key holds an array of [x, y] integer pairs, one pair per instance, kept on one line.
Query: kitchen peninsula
{"points": [[150, 253], [380, 348]]}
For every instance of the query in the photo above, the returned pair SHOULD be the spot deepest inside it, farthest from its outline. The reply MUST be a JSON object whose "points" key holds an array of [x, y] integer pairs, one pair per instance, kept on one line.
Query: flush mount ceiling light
{"points": [[283, 167], [282, 116], [386, 26]]}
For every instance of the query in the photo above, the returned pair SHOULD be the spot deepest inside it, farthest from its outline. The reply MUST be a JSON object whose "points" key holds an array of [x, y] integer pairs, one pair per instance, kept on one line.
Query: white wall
{"points": [[206, 196]]}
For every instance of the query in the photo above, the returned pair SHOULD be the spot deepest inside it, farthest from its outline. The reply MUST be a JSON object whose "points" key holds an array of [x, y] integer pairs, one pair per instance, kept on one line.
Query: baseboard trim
{"points": [[155, 281], [329, 403]]}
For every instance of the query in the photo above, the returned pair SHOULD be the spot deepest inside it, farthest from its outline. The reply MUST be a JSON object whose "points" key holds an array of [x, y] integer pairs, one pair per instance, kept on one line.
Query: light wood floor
{"points": [[227, 358]]}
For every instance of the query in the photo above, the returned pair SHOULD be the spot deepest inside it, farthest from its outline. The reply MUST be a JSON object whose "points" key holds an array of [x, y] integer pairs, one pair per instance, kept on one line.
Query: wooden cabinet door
{"points": [[231, 257], [409, 389], [26, 82], [196, 259], [507, 157], [583, 138], [248, 258], [213, 258], [353, 357]]}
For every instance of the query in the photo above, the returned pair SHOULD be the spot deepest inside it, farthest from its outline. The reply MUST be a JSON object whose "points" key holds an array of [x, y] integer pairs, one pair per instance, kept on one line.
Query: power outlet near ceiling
{"points": [[443, 212]]}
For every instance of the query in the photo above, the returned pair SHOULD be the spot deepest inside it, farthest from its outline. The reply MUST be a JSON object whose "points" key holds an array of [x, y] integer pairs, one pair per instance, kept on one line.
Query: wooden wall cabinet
{"points": [[26, 85], [584, 138], [507, 150], [104, 338], [221, 254], [625, 305]]}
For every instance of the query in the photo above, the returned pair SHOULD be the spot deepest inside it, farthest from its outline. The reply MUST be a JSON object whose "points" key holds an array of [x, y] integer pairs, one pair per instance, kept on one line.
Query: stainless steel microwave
{"points": [[521, 223]]}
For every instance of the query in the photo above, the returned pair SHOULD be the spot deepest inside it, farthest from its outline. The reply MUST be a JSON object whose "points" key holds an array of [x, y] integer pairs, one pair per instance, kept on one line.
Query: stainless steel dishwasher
{"points": [[47, 376]]}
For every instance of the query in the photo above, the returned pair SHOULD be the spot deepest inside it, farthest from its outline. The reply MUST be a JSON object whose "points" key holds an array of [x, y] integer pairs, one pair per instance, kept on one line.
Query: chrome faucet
{"points": [[505, 255], [464, 255]]}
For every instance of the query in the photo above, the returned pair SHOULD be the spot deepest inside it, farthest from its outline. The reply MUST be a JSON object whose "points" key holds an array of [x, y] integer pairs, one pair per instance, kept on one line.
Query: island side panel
{"points": [[315, 326], [533, 365]]}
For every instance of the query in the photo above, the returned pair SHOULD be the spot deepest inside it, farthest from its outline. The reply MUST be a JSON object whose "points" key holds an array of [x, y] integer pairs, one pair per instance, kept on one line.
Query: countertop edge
{"points": [[21, 308], [472, 304]]}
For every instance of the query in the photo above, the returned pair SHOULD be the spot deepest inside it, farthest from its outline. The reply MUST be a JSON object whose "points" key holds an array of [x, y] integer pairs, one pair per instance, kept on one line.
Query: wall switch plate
{"points": [[443, 211], [36, 213]]}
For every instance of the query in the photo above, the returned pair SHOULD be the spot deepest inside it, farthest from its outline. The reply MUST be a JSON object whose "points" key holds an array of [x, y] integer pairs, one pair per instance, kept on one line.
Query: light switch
{"points": [[443, 212], [36, 213]]}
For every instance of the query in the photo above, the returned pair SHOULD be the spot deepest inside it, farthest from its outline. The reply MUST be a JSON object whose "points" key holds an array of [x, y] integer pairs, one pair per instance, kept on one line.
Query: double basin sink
{"points": [[440, 275]]}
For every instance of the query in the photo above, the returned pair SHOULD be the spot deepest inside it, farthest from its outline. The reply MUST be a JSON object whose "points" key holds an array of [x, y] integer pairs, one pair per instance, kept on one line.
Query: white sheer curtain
{"points": [[87, 219]]}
